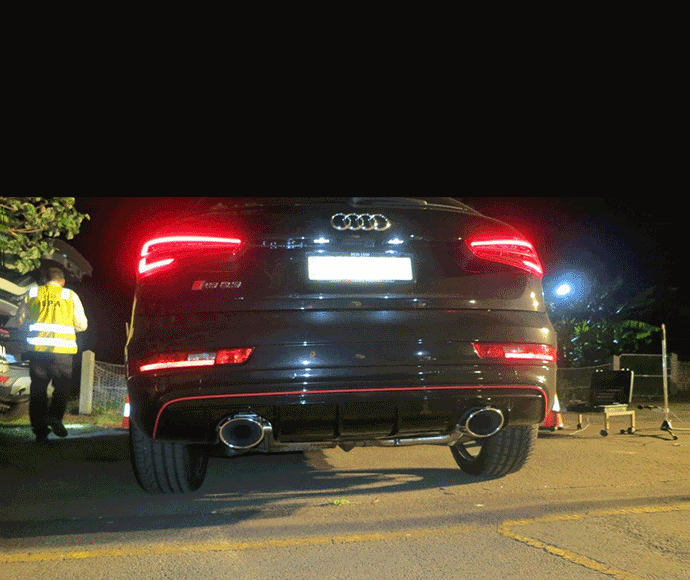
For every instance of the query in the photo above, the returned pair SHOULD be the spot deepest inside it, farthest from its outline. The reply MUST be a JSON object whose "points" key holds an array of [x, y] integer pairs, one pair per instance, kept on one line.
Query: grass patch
{"points": [[99, 418]]}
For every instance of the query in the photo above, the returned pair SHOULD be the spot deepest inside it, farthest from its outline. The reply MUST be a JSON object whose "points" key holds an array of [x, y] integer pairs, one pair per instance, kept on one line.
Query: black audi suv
{"points": [[284, 324]]}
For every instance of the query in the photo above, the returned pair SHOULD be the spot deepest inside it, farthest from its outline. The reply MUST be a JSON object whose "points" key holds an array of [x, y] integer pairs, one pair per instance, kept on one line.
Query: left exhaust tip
{"points": [[242, 431]]}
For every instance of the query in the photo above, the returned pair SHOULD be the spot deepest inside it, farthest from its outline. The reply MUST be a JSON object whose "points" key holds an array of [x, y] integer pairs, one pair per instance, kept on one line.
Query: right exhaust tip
{"points": [[483, 422]]}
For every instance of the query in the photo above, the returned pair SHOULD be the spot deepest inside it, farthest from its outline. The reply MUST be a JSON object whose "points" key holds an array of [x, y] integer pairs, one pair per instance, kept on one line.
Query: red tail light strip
{"points": [[187, 239], [178, 360], [505, 242], [176, 365], [541, 391], [144, 267], [174, 244], [511, 251], [517, 352]]}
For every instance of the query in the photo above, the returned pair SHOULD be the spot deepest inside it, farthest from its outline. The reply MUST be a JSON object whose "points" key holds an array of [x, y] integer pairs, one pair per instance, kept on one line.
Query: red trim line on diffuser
{"points": [[338, 391]]}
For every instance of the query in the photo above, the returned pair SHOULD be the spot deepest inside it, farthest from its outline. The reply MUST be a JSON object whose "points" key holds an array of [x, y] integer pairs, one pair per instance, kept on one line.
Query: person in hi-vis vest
{"points": [[51, 315]]}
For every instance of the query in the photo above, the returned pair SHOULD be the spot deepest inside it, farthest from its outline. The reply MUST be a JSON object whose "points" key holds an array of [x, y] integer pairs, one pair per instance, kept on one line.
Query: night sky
{"points": [[600, 238]]}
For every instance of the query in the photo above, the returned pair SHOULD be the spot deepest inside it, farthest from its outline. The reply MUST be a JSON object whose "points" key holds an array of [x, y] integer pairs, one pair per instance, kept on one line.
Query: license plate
{"points": [[359, 268]]}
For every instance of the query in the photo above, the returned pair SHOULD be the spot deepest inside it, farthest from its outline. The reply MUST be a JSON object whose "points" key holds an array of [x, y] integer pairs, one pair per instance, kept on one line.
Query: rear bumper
{"points": [[338, 375], [193, 406]]}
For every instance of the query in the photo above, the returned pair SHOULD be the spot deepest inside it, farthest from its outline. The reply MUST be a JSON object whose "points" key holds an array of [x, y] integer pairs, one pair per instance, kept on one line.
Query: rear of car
{"points": [[15, 386], [273, 324], [15, 382]]}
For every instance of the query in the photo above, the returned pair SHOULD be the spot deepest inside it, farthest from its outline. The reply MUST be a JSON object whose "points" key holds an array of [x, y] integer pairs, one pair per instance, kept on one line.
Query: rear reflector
{"points": [[161, 252], [509, 250], [517, 352], [187, 360]]}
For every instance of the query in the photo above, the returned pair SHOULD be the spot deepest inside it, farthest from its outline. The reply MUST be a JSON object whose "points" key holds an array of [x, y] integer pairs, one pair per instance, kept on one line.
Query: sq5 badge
{"points": [[224, 285]]}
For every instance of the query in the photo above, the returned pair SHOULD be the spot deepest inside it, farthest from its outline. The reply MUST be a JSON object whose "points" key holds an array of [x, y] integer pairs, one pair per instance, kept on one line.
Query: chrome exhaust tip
{"points": [[482, 422], [243, 431]]}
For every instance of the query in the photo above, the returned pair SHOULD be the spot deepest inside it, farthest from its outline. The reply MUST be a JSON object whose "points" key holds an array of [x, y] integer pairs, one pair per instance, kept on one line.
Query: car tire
{"points": [[165, 467], [503, 453]]}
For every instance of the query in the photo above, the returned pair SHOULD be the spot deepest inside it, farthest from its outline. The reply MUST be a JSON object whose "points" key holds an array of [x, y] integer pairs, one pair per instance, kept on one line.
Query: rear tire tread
{"points": [[504, 453], [165, 467]]}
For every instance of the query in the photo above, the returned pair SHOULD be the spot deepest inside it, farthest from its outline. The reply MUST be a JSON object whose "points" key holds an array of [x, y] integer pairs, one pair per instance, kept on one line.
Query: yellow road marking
{"points": [[158, 549], [505, 530], [650, 509]]}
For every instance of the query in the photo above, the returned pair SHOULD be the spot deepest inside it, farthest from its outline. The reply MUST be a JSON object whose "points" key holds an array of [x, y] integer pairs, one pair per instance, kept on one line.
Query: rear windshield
{"points": [[207, 204]]}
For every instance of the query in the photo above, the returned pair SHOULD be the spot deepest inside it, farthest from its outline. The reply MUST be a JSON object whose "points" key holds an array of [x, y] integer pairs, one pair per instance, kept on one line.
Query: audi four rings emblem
{"points": [[365, 222]]}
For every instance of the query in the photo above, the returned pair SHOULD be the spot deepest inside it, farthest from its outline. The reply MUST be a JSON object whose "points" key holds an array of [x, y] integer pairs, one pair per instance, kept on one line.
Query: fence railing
{"points": [[103, 386], [572, 385], [109, 386]]}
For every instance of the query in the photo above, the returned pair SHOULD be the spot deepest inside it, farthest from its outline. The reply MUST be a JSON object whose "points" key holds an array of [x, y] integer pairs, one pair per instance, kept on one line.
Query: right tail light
{"points": [[517, 352], [510, 250]]}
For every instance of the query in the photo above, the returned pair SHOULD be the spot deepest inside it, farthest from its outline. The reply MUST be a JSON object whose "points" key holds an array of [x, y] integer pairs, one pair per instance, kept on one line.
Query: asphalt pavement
{"points": [[584, 507]]}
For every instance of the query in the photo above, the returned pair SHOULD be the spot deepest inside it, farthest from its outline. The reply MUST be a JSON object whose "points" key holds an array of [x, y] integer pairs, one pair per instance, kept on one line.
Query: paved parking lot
{"points": [[586, 506]]}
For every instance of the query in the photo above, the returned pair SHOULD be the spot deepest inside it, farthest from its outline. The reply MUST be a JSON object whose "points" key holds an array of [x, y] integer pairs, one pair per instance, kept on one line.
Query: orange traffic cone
{"points": [[125, 414], [554, 420]]}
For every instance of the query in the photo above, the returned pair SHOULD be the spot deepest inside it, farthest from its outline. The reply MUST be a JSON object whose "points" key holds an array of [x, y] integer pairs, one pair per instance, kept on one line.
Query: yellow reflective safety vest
{"points": [[51, 320]]}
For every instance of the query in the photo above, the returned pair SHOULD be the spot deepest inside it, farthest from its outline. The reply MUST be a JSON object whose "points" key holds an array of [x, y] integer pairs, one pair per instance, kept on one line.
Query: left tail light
{"points": [[188, 360], [510, 250], [161, 253]]}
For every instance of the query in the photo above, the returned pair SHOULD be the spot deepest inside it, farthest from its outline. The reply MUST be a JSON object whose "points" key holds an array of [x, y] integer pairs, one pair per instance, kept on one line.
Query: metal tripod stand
{"points": [[666, 425]]}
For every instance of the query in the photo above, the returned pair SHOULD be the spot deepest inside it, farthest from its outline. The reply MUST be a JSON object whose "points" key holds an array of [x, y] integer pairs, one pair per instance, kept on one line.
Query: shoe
{"points": [[42, 437], [57, 427]]}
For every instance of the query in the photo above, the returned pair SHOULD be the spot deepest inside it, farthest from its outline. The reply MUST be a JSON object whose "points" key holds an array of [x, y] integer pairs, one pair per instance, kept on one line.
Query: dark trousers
{"points": [[43, 368]]}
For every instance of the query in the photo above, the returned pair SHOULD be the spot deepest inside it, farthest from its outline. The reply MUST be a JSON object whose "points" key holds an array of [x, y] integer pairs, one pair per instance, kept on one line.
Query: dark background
{"points": [[599, 238]]}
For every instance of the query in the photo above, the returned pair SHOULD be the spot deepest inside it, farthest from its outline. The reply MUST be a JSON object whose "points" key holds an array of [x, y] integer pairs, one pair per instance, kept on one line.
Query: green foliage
{"points": [[28, 226], [591, 333]]}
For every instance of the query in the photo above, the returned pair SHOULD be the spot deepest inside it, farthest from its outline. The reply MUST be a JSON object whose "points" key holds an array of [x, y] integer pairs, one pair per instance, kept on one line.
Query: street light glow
{"points": [[568, 289]]}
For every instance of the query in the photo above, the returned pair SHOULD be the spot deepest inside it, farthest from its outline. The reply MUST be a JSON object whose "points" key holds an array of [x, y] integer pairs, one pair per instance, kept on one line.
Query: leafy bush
{"points": [[28, 226]]}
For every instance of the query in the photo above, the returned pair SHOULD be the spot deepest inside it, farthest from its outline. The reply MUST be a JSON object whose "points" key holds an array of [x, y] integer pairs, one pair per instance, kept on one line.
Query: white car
{"points": [[14, 382]]}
